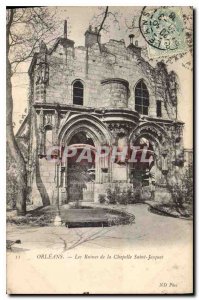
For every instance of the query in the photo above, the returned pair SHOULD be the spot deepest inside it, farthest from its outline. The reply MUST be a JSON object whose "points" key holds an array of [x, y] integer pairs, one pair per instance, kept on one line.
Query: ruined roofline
{"points": [[65, 42], [92, 37]]}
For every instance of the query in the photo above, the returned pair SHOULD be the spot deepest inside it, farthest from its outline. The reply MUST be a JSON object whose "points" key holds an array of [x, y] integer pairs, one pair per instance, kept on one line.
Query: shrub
{"points": [[102, 198], [130, 195], [113, 194], [110, 196], [137, 195], [11, 184], [122, 198], [181, 189]]}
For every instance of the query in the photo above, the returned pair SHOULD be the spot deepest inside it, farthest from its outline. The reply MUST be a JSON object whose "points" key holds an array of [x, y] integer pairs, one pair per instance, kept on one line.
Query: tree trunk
{"points": [[14, 150], [41, 187]]}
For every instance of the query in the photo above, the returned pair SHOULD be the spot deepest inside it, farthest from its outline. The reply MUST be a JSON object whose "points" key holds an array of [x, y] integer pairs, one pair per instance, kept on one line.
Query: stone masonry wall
{"points": [[91, 67], [96, 70], [47, 172]]}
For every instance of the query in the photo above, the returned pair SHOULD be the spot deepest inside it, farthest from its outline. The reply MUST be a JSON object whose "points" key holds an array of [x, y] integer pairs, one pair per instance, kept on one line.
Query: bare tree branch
{"points": [[101, 27]]}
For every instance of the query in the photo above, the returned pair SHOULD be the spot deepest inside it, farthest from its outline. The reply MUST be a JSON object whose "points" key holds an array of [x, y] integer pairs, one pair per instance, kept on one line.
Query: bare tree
{"points": [[102, 22], [108, 16], [25, 28]]}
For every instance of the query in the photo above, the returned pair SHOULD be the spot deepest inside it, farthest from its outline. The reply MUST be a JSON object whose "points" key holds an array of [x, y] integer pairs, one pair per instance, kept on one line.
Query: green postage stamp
{"points": [[163, 29]]}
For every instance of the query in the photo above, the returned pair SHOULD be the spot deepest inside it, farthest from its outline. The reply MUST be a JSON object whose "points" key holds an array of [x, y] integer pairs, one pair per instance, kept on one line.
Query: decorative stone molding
{"points": [[48, 120], [173, 87], [41, 73], [119, 129], [41, 119], [88, 123], [150, 128]]}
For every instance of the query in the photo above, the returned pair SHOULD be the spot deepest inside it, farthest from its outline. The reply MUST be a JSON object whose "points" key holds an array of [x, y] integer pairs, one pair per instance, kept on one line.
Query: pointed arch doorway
{"points": [[81, 168], [142, 171]]}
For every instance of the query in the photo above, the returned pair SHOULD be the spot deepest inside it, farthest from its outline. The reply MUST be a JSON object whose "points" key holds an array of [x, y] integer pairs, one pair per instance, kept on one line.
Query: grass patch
{"points": [[167, 209], [42, 216], [72, 217]]}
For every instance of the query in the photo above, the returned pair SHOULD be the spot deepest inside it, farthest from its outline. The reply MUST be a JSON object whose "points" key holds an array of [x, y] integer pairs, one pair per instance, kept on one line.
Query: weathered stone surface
{"points": [[108, 115]]}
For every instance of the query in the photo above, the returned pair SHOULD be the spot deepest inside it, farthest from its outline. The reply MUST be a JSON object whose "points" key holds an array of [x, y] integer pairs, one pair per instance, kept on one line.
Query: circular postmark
{"points": [[162, 27]]}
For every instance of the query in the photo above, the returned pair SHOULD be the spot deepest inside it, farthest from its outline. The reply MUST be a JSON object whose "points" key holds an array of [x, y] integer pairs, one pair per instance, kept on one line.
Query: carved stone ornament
{"points": [[119, 129]]}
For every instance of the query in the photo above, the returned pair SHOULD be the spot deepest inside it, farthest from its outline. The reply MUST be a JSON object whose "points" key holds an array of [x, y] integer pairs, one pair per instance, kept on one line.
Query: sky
{"points": [[79, 19]]}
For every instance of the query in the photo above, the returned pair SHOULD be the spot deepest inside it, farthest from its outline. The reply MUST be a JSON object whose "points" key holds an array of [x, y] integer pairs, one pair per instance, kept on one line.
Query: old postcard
{"points": [[99, 150]]}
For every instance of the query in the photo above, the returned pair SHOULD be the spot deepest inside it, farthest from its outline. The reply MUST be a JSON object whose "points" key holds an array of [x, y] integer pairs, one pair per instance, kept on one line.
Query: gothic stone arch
{"points": [[94, 129], [92, 125], [160, 141]]}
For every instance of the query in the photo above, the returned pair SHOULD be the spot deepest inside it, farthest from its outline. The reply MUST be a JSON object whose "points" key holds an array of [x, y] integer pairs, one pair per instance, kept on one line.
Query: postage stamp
{"points": [[163, 29]]}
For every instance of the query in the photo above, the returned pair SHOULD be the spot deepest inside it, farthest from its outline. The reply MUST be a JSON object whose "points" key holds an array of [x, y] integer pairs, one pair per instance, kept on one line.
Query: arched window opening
{"points": [[141, 98], [78, 92]]}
